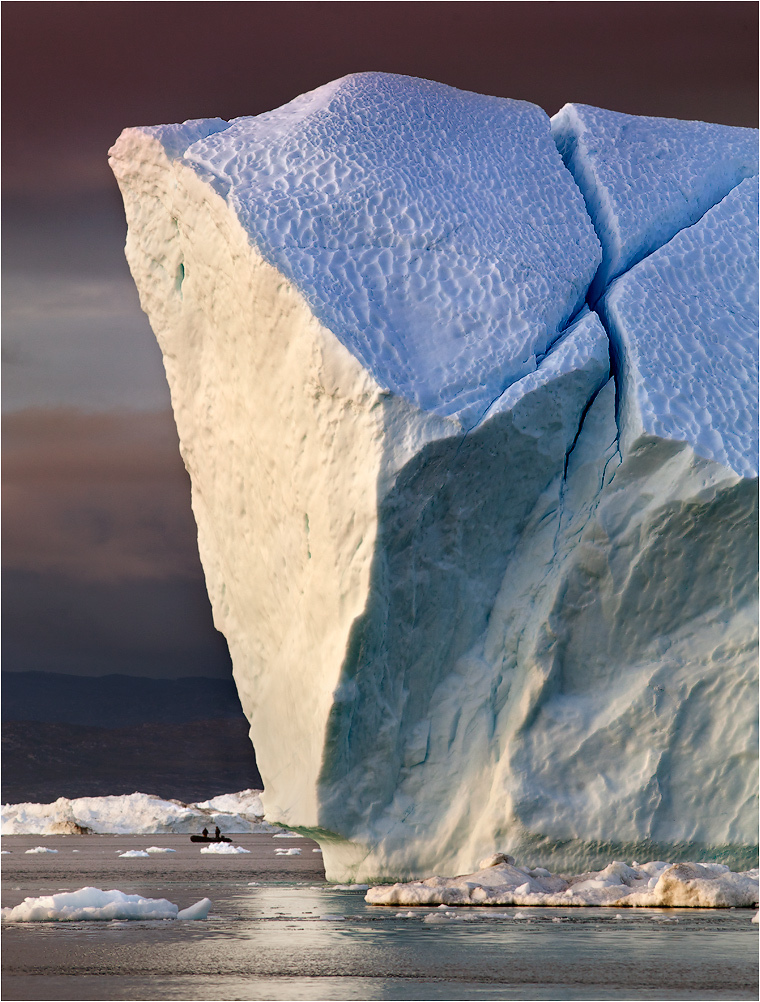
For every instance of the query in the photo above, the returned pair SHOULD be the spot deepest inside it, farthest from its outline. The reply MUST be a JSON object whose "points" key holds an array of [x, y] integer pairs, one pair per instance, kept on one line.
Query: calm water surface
{"points": [[303, 940]]}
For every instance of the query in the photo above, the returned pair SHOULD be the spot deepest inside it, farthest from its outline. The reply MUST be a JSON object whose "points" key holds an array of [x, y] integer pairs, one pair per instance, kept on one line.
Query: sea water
{"points": [[301, 939]]}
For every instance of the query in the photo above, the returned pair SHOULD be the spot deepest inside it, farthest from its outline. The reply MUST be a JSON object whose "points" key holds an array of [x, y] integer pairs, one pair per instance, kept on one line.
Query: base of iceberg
{"points": [[90, 904], [640, 885]]}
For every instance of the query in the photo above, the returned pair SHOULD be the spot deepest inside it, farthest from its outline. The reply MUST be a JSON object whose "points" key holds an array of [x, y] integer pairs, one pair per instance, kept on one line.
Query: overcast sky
{"points": [[99, 552]]}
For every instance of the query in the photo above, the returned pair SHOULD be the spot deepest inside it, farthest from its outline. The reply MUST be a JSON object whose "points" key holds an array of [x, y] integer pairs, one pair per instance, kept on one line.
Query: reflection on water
{"points": [[304, 942]]}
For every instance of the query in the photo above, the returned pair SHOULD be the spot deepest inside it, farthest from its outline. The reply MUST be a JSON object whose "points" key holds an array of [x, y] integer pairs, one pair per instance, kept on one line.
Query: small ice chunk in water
{"points": [[287, 852], [224, 849], [197, 911], [134, 854], [90, 904], [156, 848], [39, 849]]}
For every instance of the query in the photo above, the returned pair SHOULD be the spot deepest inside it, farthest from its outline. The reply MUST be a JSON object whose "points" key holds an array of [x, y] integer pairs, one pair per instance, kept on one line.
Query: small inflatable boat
{"points": [[209, 838]]}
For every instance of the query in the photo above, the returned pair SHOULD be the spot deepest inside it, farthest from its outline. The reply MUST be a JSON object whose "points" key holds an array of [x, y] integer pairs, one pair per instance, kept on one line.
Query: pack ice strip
{"points": [[640, 885]]}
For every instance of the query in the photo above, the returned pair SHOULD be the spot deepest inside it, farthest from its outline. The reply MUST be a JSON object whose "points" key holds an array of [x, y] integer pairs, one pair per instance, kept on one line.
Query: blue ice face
{"points": [[644, 179], [434, 231], [683, 325]]}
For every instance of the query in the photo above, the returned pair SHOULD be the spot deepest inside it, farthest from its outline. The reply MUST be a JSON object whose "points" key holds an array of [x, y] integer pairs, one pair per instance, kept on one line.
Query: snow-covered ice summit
{"points": [[466, 397]]}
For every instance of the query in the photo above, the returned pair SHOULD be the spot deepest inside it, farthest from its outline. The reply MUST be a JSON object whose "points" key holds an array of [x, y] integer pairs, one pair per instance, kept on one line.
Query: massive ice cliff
{"points": [[467, 398]]}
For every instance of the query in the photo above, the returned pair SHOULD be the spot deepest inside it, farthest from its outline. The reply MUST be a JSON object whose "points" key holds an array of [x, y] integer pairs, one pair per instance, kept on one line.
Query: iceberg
{"points": [[475, 528]]}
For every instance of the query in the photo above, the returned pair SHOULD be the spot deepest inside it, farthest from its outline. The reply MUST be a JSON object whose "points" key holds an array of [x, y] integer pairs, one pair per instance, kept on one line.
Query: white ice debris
{"points": [[139, 814], [465, 612], [90, 904], [247, 804], [195, 912], [158, 848], [224, 849], [39, 849], [287, 852], [650, 885], [134, 854]]}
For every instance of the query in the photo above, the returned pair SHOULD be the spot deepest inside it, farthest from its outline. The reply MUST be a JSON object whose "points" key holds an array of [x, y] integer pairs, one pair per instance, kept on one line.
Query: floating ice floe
{"points": [[157, 848], [39, 849], [224, 849], [134, 854], [90, 904], [139, 814], [647, 885], [287, 852]]}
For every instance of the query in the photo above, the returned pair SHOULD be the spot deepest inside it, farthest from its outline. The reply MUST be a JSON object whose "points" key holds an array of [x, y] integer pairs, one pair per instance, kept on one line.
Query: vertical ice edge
{"points": [[457, 601]]}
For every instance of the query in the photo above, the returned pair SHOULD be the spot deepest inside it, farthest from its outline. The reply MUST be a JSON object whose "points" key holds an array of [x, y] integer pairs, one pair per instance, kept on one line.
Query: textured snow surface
{"points": [[644, 179], [137, 814], [478, 594], [90, 904], [684, 326], [434, 231], [642, 885]]}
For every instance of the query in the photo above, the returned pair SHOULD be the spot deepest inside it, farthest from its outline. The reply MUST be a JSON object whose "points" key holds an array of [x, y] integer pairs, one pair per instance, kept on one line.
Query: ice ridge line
{"points": [[591, 299]]}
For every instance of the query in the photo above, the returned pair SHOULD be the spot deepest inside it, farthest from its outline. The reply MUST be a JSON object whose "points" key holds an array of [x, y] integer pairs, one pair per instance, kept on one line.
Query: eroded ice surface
{"points": [[137, 814], [644, 179], [465, 614], [684, 326], [90, 904], [640, 885], [434, 231]]}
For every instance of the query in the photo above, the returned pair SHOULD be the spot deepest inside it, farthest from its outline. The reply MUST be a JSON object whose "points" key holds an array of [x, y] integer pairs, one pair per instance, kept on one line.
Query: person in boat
{"points": [[217, 833], [204, 833]]}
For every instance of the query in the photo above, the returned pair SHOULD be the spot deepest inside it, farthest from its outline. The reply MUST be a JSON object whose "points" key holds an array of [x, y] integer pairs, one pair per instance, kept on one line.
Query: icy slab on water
{"points": [[224, 850], [644, 179], [465, 613], [434, 231], [90, 904], [646, 885], [684, 327], [137, 814]]}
